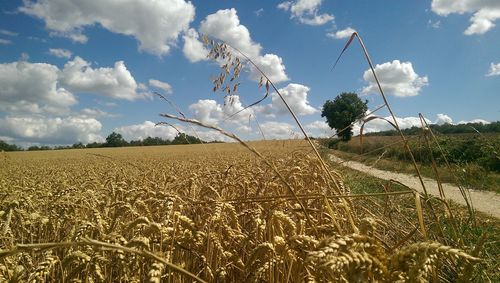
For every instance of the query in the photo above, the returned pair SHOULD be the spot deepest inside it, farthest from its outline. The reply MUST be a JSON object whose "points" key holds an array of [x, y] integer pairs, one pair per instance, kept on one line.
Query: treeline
{"points": [[113, 140], [468, 128], [9, 147]]}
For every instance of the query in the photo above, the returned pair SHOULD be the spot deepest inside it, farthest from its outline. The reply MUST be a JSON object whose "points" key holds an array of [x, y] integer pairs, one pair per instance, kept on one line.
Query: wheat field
{"points": [[213, 213]]}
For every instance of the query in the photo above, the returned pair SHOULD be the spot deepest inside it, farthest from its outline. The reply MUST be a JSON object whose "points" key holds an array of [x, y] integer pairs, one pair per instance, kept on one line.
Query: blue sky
{"points": [[77, 70]]}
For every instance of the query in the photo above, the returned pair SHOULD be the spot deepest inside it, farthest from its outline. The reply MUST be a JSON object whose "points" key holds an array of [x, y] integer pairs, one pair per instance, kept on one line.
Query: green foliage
{"points": [[342, 111], [8, 147], [94, 145], [479, 150], [469, 128], [78, 145], [35, 147], [183, 138], [115, 140], [463, 151]]}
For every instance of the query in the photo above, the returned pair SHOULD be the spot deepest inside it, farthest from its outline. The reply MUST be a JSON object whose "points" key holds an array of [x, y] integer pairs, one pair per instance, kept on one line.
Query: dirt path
{"points": [[484, 201]]}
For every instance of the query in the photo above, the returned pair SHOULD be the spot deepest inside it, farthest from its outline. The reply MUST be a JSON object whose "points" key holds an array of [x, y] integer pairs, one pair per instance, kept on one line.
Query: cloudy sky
{"points": [[74, 71]]}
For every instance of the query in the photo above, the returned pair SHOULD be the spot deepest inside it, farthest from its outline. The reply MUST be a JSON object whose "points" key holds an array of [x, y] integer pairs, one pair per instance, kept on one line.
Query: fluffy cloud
{"points": [[207, 111], [378, 125], [480, 121], [61, 53], [434, 25], [32, 87], [485, 12], [211, 136], [443, 119], [278, 130], [46, 130], [8, 32], [397, 78], [149, 129], [155, 24], [319, 129], [193, 48], [225, 25], [306, 11], [272, 66], [296, 97], [146, 129], [210, 112], [5, 41], [340, 34], [161, 85], [116, 82], [494, 70], [95, 113]]}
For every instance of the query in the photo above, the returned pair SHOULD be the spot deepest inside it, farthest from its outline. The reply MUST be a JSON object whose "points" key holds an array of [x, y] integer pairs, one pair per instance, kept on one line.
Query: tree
{"points": [[182, 138], [8, 147], [115, 140], [342, 111]]}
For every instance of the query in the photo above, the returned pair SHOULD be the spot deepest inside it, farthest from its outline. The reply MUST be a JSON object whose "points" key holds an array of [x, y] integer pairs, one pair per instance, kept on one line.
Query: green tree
{"points": [[115, 140], [342, 111], [78, 145], [182, 138], [8, 147]]}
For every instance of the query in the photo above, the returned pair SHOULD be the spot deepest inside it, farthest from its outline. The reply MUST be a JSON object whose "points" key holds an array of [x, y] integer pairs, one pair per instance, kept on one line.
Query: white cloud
{"points": [[285, 5], [494, 70], [155, 24], [75, 35], [95, 113], [278, 130], [193, 48], [306, 11], [67, 130], [5, 41], [61, 53], [319, 129], [481, 121], [32, 87], [161, 85], [272, 65], [149, 129], [435, 25], [225, 25], [296, 97], [146, 129], [206, 111], [378, 125], [443, 119], [259, 12], [211, 136], [210, 112], [340, 34], [8, 32], [233, 105], [396, 78], [116, 82], [485, 12]]}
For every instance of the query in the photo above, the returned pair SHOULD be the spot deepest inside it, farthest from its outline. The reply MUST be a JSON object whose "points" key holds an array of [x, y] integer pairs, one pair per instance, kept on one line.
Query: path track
{"points": [[483, 201]]}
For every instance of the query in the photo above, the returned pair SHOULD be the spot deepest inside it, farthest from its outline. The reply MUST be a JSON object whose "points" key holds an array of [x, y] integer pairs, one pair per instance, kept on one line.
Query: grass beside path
{"points": [[359, 183], [470, 177]]}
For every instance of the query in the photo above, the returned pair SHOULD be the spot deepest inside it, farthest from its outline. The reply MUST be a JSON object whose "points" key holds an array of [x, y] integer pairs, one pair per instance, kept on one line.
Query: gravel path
{"points": [[484, 201]]}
